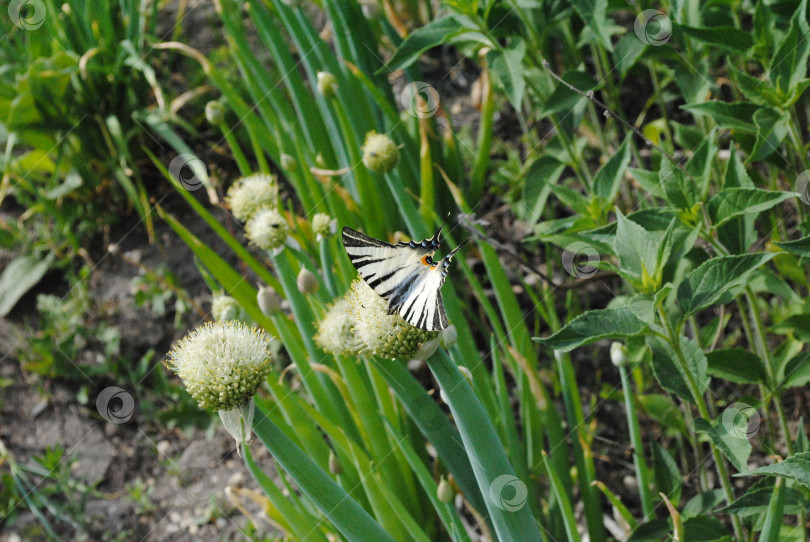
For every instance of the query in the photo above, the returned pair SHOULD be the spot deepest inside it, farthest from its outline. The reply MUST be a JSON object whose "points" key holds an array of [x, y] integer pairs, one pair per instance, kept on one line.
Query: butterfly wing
{"points": [[422, 305], [401, 274], [384, 267]]}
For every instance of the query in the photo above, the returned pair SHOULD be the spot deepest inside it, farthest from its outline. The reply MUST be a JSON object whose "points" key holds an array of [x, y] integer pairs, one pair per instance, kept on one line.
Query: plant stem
{"points": [[700, 402], [484, 144], [642, 469], [770, 368]]}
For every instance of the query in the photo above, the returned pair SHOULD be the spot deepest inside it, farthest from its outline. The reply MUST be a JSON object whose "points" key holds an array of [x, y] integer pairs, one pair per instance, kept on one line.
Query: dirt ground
{"points": [[148, 482]]}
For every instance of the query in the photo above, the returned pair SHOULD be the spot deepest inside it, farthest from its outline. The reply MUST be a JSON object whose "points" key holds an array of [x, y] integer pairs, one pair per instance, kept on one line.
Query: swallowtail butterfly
{"points": [[403, 274]]}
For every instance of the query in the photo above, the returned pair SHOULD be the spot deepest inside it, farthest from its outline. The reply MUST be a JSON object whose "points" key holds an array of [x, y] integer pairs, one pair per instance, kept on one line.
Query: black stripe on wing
{"points": [[353, 238], [439, 317], [422, 306]]}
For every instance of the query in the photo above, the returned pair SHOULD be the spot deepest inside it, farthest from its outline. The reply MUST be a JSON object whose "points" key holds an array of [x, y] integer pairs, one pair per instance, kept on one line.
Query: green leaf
{"points": [[692, 82], [563, 99], [797, 371], [670, 373], [72, 181], [434, 425], [797, 325], [290, 517], [738, 234], [19, 276], [705, 529], [628, 50], [668, 479], [757, 90], [802, 442], [795, 467], [638, 253], [736, 365], [796, 93], [507, 66], [727, 115], [703, 503], [344, 513], [594, 14], [648, 180], [699, 166], [446, 511], [574, 200], [436, 32], [710, 283], [789, 63], [726, 37], [797, 246], [592, 326], [560, 493], [728, 436], [234, 283], [758, 497], [663, 410], [772, 127], [681, 191], [652, 531], [608, 179], [734, 202], [495, 475], [542, 175]]}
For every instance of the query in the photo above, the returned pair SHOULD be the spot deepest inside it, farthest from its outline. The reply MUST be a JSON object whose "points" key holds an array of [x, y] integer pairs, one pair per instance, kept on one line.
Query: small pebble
{"points": [[630, 482], [163, 448]]}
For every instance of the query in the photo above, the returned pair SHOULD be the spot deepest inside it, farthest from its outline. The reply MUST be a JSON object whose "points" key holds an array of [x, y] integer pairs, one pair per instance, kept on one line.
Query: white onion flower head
{"points": [[336, 330], [380, 153], [224, 307], [249, 194], [324, 226], [267, 229], [222, 363], [386, 335]]}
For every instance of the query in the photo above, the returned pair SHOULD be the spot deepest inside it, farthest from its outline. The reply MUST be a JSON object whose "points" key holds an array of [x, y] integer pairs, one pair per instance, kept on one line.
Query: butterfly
{"points": [[404, 274]]}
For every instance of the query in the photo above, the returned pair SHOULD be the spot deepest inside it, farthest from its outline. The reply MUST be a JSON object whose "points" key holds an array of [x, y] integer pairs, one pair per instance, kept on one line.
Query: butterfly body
{"points": [[404, 274]]}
